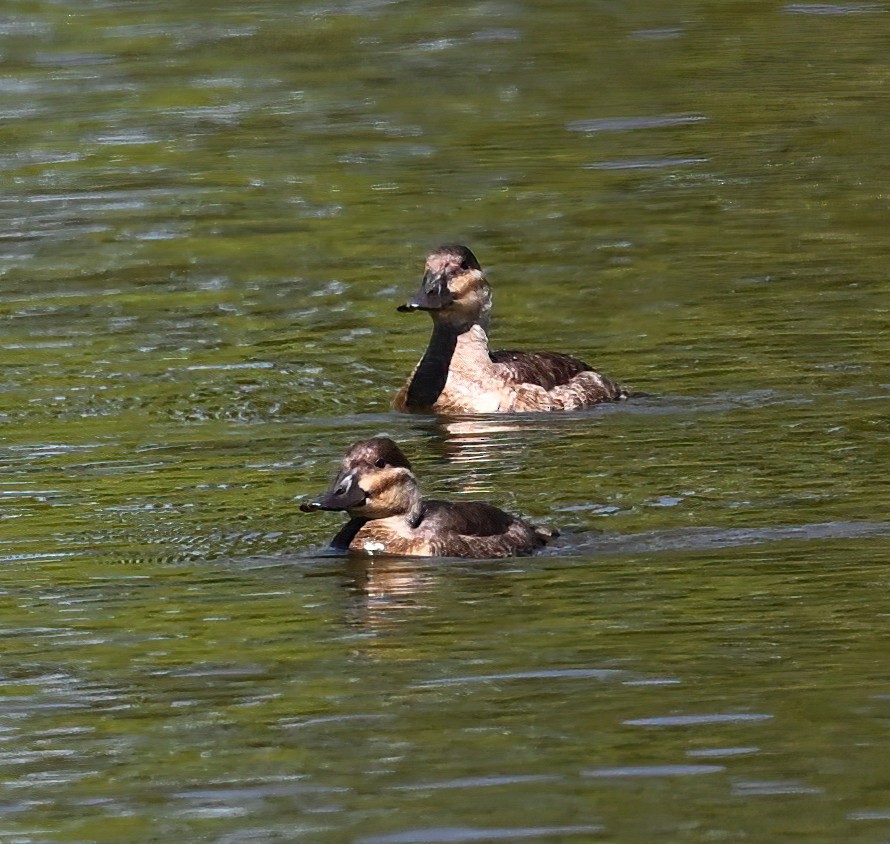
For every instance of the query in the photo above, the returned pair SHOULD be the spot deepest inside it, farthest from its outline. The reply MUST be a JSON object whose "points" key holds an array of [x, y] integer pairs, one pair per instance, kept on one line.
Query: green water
{"points": [[208, 214]]}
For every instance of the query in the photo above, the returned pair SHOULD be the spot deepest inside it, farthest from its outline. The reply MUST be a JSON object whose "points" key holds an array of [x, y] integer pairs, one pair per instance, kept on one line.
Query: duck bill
{"points": [[432, 296], [340, 497]]}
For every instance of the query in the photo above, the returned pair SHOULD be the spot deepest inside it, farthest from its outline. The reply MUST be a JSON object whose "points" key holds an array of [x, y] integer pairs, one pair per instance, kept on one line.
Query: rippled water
{"points": [[209, 213]]}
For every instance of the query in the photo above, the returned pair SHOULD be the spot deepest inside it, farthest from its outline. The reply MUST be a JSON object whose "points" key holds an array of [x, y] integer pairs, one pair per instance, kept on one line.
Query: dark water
{"points": [[209, 212]]}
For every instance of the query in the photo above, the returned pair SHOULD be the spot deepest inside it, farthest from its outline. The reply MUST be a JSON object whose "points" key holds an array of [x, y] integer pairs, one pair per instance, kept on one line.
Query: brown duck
{"points": [[458, 373], [376, 487]]}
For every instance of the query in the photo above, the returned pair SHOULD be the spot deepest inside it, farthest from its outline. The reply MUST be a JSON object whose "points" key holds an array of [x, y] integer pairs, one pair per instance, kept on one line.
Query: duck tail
{"points": [[545, 534]]}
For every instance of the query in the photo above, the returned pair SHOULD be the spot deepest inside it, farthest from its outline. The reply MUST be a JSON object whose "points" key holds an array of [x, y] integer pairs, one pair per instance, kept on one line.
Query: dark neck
{"points": [[347, 533], [432, 371]]}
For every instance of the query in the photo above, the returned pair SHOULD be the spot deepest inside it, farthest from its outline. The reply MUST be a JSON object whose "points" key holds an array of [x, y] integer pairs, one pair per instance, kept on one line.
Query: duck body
{"points": [[458, 373], [445, 529], [377, 488], [476, 380]]}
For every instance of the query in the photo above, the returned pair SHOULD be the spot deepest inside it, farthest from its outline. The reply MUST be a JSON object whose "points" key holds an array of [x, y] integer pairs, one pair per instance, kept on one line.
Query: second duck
{"points": [[459, 374], [376, 487]]}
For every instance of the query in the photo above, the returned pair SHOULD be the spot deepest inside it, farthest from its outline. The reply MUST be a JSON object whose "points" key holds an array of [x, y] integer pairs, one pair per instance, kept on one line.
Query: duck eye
{"points": [[379, 462]]}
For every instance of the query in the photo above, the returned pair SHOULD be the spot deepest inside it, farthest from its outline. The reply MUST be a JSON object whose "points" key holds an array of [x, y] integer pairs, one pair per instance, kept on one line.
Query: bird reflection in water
{"points": [[480, 445], [381, 589], [383, 592]]}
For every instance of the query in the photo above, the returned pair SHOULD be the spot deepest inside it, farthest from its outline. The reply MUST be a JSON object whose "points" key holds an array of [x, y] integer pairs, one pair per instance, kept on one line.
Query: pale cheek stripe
{"points": [[383, 481]]}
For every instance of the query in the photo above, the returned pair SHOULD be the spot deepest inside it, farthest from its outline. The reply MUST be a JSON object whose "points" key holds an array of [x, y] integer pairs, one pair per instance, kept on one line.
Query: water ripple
{"points": [[479, 782], [458, 834], [653, 771], [645, 163], [233, 792], [722, 752], [701, 539], [545, 674], [874, 815], [627, 124], [833, 8], [696, 720], [747, 789]]}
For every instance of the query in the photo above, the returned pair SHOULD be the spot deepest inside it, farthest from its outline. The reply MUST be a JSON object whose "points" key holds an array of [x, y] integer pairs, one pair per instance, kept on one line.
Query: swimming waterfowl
{"points": [[459, 374], [376, 487]]}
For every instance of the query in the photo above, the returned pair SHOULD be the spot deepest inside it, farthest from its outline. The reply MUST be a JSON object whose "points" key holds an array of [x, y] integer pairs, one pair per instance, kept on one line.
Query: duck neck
{"points": [[463, 349], [347, 533]]}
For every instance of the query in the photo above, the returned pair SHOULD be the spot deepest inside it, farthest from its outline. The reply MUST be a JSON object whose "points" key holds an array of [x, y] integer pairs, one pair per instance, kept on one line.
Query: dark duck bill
{"points": [[432, 296], [344, 495]]}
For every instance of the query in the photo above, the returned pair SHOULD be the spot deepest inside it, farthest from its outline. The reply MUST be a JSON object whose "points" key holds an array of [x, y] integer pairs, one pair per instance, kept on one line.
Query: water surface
{"points": [[208, 216]]}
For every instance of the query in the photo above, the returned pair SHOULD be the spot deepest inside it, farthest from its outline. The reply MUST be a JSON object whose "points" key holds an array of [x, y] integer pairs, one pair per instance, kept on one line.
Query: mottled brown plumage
{"points": [[376, 486], [546, 369], [459, 374]]}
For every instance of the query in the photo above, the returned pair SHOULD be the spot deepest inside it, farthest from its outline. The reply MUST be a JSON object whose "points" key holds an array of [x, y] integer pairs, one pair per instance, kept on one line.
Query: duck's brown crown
{"points": [[377, 451]]}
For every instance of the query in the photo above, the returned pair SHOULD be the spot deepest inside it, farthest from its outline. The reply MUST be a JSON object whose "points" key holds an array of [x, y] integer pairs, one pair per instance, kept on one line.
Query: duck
{"points": [[458, 373], [388, 515]]}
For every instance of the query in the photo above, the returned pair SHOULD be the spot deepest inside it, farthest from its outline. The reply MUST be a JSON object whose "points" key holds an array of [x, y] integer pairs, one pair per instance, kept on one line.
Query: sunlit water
{"points": [[209, 213]]}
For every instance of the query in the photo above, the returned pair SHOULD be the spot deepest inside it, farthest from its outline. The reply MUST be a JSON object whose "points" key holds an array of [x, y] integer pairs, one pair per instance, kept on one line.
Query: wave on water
{"points": [[702, 539]]}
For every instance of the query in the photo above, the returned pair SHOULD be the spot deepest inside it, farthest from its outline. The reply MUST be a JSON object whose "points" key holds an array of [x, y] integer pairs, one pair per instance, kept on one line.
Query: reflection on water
{"points": [[476, 446], [382, 588]]}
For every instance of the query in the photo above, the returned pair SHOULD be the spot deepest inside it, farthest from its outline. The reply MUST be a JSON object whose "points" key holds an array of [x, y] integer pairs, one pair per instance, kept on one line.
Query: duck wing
{"points": [[467, 518], [545, 369]]}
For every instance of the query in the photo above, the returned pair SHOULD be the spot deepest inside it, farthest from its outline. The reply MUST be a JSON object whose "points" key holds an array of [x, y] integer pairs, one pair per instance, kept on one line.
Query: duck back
{"points": [[467, 518], [546, 369], [476, 529]]}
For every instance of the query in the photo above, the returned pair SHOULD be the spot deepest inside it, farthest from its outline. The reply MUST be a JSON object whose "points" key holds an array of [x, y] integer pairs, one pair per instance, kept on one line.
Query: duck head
{"points": [[375, 481], [453, 290]]}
